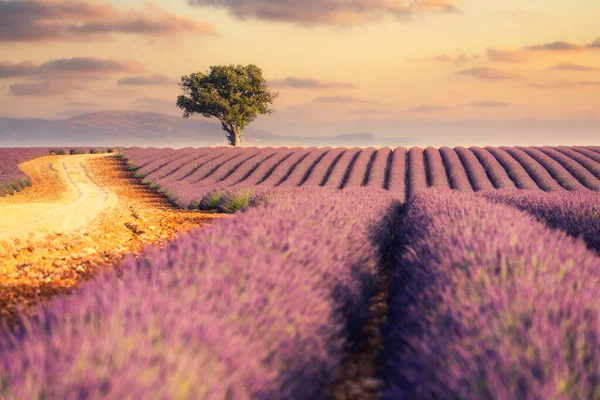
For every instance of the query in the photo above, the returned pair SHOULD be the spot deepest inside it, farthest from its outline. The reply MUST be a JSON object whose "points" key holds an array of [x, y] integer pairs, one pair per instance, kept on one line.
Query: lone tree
{"points": [[233, 94]]}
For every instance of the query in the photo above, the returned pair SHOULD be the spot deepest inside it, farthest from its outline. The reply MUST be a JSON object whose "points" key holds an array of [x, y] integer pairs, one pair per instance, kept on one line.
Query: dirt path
{"points": [[77, 199], [82, 214]]}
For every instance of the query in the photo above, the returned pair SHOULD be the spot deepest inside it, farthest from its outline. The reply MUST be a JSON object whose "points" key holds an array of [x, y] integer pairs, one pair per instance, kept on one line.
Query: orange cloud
{"points": [[490, 104], [450, 59], [488, 73], [341, 99], [528, 52], [309, 83], [425, 108], [41, 20], [573, 67], [507, 56], [564, 85], [327, 12]]}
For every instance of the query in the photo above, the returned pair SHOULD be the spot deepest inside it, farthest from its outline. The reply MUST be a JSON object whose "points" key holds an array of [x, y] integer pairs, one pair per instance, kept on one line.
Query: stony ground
{"points": [[82, 214]]}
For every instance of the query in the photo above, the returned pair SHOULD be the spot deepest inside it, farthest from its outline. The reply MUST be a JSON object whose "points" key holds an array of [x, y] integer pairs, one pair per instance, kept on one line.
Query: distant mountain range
{"points": [[132, 128]]}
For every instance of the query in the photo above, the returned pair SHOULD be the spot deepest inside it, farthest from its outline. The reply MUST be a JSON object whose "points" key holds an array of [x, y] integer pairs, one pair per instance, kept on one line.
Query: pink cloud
{"points": [[328, 12], [41, 20]]}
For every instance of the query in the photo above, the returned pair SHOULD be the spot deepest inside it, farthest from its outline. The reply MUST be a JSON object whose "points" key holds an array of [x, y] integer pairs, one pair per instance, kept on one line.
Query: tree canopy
{"points": [[235, 95]]}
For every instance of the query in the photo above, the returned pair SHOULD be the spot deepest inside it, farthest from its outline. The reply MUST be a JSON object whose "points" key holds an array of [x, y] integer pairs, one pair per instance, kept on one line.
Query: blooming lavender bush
{"points": [[489, 303], [577, 213], [251, 307]]}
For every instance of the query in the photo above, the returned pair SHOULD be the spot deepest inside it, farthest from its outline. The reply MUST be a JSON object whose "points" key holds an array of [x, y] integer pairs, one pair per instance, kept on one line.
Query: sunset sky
{"points": [[441, 71]]}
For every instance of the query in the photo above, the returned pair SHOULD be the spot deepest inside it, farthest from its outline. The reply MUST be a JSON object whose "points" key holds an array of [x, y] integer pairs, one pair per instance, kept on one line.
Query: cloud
{"points": [[309, 83], [41, 20], [76, 67], [560, 46], [42, 89], [572, 67], [528, 52], [564, 85], [428, 108], [156, 79], [367, 111], [507, 56], [458, 59], [490, 104], [488, 73], [341, 99], [328, 12]]}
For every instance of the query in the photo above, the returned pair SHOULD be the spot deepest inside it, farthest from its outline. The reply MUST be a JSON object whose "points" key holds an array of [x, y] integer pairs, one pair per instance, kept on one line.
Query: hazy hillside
{"points": [[130, 128]]}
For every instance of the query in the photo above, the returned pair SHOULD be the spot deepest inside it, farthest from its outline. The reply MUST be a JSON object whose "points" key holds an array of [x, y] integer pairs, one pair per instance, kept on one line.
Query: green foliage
{"points": [[98, 150], [58, 152], [234, 201], [77, 151], [235, 95], [211, 201]]}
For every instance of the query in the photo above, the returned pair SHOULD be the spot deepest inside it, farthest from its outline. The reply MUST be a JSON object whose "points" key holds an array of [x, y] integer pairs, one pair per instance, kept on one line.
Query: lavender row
{"points": [[252, 307], [397, 184], [489, 303], [591, 164], [417, 175], [475, 171], [191, 176], [494, 169], [436, 171], [358, 174], [457, 175], [574, 168], [538, 173], [576, 213], [554, 168], [379, 169], [514, 169]]}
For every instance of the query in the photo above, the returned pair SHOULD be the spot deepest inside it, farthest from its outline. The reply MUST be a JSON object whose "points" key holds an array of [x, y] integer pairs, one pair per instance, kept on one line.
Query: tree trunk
{"points": [[237, 137]]}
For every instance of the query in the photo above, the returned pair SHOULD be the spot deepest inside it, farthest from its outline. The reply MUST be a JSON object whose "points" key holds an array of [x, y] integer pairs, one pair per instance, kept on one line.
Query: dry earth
{"points": [[82, 214]]}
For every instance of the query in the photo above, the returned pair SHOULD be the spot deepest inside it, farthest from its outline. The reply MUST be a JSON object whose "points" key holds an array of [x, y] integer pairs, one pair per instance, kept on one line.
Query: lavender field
{"points": [[486, 262], [200, 177]]}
